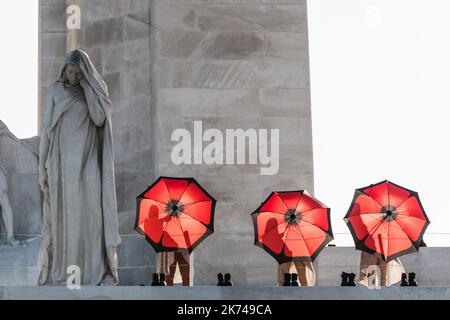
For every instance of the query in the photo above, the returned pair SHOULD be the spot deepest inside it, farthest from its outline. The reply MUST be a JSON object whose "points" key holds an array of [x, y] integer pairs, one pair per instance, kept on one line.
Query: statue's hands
{"points": [[84, 84]]}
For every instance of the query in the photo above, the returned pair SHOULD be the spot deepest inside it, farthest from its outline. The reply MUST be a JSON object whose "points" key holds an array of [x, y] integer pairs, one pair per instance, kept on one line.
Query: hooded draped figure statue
{"points": [[76, 174]]}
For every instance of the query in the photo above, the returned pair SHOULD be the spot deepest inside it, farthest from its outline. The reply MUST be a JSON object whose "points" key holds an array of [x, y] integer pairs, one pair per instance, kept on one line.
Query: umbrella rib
{"points": [[284, 242], [410, 196], [370, 196], [168, 190], [194, 219], [313, 225], [266, 232], [162, 234], [274, 212], [162, 203], [373, 231], [309, 211], [409, 217], [191, 203], [306, 245], [187, 186], [412, 241], [182, 230], [310, 238], [386, 254], [389, 196], [299, 199], [278, 195], [365, 214]]}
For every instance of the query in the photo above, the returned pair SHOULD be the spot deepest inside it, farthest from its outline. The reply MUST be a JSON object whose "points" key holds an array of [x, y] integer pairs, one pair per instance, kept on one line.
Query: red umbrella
{"points": [[387, 220], [175, 213], [292, 226]]}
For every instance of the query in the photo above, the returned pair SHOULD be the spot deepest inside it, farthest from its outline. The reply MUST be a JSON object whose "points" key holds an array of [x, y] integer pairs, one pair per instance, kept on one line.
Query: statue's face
{"points": [[74, 74]]}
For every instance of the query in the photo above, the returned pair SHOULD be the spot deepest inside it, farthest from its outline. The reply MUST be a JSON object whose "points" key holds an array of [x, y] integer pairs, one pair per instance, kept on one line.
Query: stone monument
{"points": [[76, 173]]}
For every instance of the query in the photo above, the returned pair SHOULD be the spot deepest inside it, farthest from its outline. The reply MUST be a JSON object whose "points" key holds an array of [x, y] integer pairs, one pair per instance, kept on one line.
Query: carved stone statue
{"points": [[76, 174], [6, 212]]}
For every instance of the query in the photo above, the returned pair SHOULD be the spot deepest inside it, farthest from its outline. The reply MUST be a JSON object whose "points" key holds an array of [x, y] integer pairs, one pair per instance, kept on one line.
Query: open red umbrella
{"points": [[387, 220], [292, 226], [175, 213]]}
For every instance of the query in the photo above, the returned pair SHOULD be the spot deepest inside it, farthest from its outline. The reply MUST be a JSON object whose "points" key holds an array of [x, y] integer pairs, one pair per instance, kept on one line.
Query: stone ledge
{"points": [[222, 293]]}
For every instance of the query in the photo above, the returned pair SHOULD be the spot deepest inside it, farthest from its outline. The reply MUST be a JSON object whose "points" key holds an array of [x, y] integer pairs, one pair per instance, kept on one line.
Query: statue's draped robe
{"points": [[80, 210]]}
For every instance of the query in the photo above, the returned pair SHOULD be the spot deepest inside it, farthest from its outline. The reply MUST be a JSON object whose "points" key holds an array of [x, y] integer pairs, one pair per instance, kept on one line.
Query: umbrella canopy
{"points": [[292, 226], [174, 214], [387, 220]]}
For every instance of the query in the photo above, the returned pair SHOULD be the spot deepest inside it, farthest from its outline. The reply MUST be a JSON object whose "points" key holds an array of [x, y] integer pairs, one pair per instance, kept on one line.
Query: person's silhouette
{"points": [[220, 279], [404, 282], [294, 280], [287, 280], [344, 279], [228, 280], [351, 280], [162, 279], [412, 279], [155, 281]]}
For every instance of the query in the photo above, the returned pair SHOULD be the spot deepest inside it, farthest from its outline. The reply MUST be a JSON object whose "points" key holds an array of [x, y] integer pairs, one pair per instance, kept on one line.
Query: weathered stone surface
{"points": [[172, 73], [293, 131], [206, 16], [250, 74], [136, 276], [233, 46], [235, 216], [295, 160], [287, 45], [135, 251], [235, 293], [53, 44], [284, 102], [226, 45], [231, 64], [205, 102], [21, 161], [53, 17]]}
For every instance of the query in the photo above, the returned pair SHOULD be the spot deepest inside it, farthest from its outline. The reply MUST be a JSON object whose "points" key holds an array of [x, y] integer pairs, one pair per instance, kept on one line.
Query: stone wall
{"points": [[52, 44], [234, 64], [231, 64], [116, 34], [431, 265], [18, 264]]}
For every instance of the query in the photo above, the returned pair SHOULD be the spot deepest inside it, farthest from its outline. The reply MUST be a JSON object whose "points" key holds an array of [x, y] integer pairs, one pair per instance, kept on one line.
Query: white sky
{"points": [[380, 97], [380, 74], [19, 60]]}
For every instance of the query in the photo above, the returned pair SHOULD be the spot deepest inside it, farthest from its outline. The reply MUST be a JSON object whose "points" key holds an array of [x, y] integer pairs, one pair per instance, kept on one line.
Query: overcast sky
{"points": [[380, 97], [19, 60], [380, 74]]}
